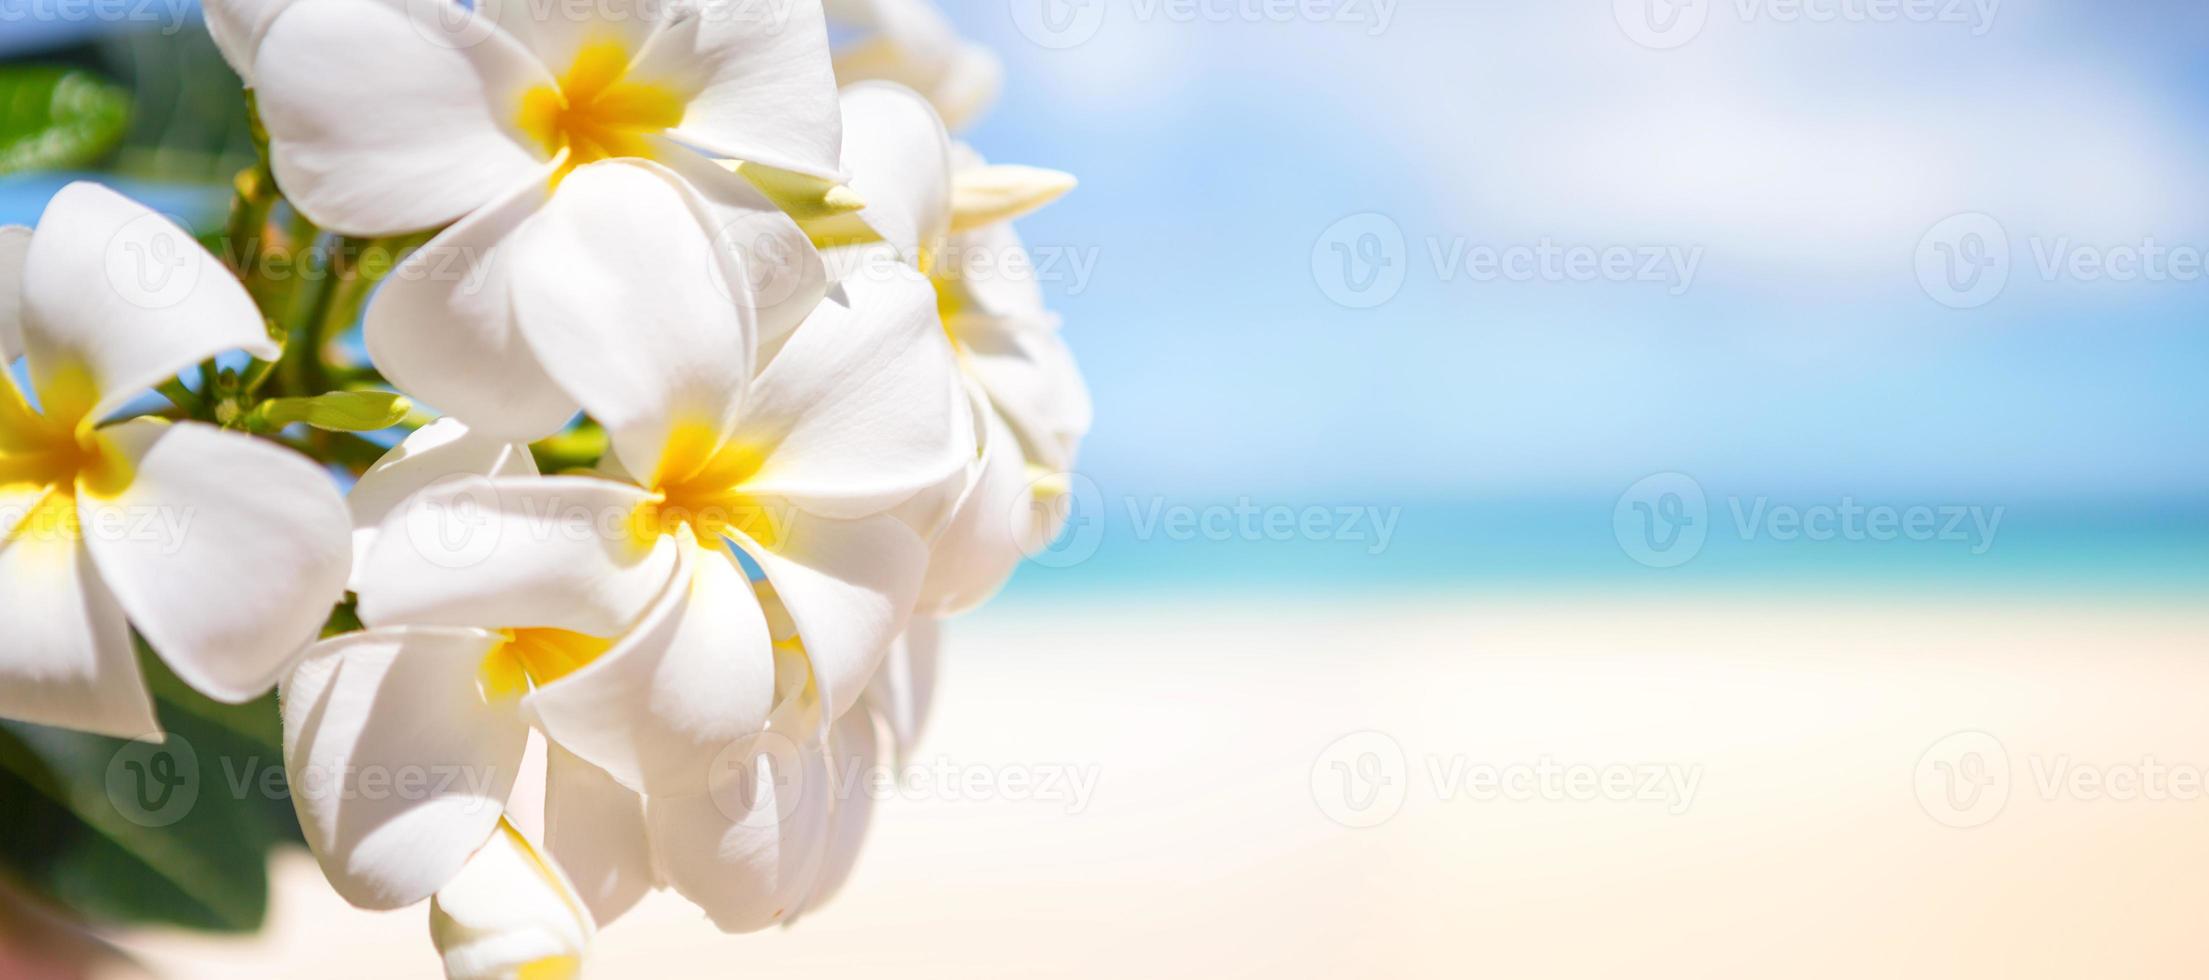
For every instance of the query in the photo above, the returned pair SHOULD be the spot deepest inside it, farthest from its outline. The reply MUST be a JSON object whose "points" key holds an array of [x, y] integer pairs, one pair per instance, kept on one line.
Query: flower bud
{"points": [[510, 915]]}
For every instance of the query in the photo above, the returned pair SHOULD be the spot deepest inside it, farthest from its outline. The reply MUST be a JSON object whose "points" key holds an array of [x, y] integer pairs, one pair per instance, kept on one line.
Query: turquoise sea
{"points": [[2135, 549]]}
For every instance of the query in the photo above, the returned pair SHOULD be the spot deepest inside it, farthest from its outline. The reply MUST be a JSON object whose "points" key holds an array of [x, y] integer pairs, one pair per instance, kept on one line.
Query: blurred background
{"points": [[1698, 487]]}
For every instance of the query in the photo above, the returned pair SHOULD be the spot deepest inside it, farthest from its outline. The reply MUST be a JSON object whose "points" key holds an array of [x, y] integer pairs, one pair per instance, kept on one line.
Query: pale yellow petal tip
{"points": [[841, 199], [988, 195], [801, 196]]}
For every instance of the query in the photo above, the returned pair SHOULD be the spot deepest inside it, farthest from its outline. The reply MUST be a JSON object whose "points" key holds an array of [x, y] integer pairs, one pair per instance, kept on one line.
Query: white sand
{"points": [[1803, 852]]}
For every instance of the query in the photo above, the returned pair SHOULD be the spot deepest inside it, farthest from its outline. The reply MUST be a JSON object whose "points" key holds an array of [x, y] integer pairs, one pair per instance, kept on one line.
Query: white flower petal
{"points": [[969, 86], [991, 273], [900, 163], [863, 407], [237, 27], [765, 88], [227, 551], [772, 257], [65, 653], [905, 688], [849, 587], [126, 296], [916, 46], [441, 450], [697, 673], [399, 768], [747, 852], [978, 548], [556, 33], [551, 552], [594, 829], [1033, 381], [15, 248], [854, 753], [442, 326], [624, 298], [392, 116], [510, 913]]}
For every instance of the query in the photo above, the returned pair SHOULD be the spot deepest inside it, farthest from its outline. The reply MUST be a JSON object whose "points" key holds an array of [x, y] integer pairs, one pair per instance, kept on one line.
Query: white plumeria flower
{"points": [[910, 42], [609, 612], [225, 551], [393, 116], [472, 694], [620, 660], [237, 27], [478, 342], [943, 207], [592, 824], [508, 914], [798, 467], [387, 117]]}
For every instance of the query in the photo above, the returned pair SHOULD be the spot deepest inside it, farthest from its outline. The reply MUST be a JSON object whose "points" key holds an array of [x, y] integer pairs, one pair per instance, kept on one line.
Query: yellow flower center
{"points": [[56, 452], [529, 658], [595, 113], [700, 484]]}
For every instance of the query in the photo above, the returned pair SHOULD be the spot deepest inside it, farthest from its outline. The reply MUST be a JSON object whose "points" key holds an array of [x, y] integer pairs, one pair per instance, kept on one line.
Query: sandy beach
{"points": [[1529, 788]]}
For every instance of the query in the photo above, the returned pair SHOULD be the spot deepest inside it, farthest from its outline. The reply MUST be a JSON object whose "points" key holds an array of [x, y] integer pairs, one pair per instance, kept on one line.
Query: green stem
{"points": [[180, 396], [300, 374]]}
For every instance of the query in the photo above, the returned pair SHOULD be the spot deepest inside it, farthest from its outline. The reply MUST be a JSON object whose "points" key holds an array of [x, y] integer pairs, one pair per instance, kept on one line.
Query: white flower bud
{"points": [[510, 915]]}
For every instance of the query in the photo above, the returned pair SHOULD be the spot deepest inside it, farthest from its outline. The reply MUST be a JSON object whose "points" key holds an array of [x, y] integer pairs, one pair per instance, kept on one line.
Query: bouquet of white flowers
{"points": [[719, 386]]}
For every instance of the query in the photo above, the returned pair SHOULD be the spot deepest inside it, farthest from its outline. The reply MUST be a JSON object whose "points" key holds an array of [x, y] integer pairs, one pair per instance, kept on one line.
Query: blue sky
{"points": [[1807, 162]]}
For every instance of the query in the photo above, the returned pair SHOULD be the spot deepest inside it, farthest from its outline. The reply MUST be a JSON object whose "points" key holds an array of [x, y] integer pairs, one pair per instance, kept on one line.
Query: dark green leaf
{"points": [[126, 832]]}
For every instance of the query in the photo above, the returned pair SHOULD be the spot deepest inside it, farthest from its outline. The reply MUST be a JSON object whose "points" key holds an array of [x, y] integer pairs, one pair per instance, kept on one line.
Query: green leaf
{"points": [[58, 118], [107, 829], [337, 411]]}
